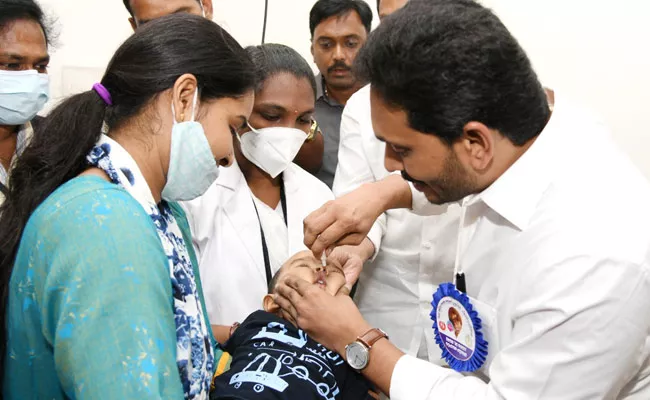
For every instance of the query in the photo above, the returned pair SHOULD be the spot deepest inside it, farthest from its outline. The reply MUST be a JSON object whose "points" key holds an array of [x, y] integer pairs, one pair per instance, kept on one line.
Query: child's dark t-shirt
{"points": [[272, 359]]}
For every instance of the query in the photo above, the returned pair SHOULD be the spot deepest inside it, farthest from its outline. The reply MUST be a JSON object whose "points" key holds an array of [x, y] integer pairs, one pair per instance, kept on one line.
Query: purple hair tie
{"points": [[103, 93]]}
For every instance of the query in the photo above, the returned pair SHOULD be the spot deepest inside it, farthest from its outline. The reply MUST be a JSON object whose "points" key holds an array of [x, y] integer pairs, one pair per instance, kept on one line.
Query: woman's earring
{"points": [[182, 117]]}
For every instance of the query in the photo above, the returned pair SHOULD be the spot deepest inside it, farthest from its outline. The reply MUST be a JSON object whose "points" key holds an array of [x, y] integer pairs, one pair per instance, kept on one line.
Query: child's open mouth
{"points": [[321, 280]]}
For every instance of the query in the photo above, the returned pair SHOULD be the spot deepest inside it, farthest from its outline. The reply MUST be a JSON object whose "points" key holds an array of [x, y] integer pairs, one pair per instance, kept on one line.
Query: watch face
{"points": [[357, 355]]}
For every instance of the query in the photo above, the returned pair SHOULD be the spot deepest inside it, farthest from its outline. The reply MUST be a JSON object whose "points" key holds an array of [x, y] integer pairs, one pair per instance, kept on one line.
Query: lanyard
{"points": [[265, 249], [459, 275]]}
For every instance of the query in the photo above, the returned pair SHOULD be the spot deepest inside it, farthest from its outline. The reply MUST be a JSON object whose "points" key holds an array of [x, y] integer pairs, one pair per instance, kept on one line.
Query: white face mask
{"points": [[272, 149], [22, 95], [192, 167]]}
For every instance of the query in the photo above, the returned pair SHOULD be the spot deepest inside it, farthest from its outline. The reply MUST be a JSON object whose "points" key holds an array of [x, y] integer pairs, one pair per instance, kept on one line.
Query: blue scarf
{"points": [[194, 354]]}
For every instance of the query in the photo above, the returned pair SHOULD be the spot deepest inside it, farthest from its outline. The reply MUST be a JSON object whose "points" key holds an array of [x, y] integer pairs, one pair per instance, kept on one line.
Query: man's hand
{"points": [[347, 220], [352, 259], [333, 321]]}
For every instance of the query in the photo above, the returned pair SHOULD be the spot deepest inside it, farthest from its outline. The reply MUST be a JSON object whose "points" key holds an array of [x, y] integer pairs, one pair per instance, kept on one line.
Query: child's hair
{"points": [[274, 281]]}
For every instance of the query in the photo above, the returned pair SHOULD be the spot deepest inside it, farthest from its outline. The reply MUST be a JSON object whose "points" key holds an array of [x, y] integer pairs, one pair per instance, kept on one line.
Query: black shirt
{"points": [[272, 359]]}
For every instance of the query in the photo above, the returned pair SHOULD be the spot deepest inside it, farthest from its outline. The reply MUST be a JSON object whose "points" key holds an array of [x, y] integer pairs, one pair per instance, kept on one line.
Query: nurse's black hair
{"points": [[14, 10], [271, 59], [324, 9], [147, 64], [449, 62]]}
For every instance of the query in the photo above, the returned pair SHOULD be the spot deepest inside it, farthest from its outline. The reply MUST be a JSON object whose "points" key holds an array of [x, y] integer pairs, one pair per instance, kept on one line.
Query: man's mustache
{"points": [[409, 178], [339, 65]]}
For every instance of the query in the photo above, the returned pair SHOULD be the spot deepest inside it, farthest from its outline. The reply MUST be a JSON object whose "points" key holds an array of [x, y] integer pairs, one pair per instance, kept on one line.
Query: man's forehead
{"points": [[347, 24], [147, 10], [390, 124], [23, 39]]}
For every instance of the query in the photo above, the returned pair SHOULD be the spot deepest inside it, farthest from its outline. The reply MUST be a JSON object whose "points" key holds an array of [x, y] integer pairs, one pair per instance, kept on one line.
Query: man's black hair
{"points": [[127, 4], [324, 9], [12, 10], [449, 62]]}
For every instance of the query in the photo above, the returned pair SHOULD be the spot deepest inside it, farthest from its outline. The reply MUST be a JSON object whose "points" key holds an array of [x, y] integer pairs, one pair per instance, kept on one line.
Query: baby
{"points": [[273, 359]]}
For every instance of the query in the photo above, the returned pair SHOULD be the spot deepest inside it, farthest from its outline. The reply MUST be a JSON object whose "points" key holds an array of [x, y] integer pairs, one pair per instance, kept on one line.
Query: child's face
{"points": [[307, 267]]}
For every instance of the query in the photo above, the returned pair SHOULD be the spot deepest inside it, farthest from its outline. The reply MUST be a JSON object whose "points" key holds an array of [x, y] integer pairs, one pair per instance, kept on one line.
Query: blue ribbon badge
{"points": [[457, 329]]}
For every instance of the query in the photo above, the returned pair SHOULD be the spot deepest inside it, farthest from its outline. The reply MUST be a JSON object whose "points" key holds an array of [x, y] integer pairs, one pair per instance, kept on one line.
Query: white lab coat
{"points": [[414, 254], [227, 239]]}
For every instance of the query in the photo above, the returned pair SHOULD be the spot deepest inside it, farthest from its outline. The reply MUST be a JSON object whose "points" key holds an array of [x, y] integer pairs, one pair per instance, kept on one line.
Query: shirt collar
{"points": [[319, 86], [230, 177], [516, 194], [320, 92]]}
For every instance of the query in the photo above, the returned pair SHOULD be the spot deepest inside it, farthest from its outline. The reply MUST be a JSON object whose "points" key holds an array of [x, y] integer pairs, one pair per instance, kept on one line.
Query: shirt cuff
{"points": [[413, 379], [375, 234]]}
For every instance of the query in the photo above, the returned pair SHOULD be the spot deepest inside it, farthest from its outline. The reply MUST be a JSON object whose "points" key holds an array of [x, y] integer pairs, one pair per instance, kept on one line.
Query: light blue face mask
{"points": [[22, 95], [192, 167]]}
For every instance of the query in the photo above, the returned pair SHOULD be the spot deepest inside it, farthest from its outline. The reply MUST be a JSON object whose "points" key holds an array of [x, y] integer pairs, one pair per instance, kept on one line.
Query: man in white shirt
{"points": [[554, 238]]}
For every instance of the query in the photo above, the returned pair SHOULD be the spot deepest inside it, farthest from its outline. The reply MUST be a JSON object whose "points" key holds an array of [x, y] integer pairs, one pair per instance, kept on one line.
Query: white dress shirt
{"points": [[559, 246], [228, 243], [413, 254]]}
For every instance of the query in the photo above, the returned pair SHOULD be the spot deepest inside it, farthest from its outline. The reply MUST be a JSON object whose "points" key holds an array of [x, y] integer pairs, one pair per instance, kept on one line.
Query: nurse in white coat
{"points": [[251, 219]]}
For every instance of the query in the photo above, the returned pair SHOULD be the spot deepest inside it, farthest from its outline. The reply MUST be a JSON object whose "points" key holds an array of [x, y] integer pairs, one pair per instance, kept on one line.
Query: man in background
{"points": [[143, 11], [338, 30]]}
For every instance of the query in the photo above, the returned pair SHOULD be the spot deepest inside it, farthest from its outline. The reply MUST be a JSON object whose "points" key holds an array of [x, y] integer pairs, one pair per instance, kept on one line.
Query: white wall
{"points": [[593, 50]]}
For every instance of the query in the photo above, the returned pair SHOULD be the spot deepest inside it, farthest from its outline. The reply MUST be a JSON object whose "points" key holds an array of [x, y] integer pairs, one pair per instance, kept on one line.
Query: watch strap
{"points": [[371, 337]]}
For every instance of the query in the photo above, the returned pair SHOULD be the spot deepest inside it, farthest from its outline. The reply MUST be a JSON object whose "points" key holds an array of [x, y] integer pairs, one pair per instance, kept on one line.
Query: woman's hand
{"points": [[333, 321]]}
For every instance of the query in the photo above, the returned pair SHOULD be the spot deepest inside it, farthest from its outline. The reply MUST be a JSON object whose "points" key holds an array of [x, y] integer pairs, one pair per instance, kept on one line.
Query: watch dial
{"points": [[357, 355]]}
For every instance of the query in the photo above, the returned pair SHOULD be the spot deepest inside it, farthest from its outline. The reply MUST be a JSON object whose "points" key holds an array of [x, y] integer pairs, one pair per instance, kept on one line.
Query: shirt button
{"points": [[427, 245]]}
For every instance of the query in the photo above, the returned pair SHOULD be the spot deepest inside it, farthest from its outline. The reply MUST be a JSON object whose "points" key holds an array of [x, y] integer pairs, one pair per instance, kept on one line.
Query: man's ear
{"points": [[209, 10], [134, 26], [270, 305], [478, 144]]}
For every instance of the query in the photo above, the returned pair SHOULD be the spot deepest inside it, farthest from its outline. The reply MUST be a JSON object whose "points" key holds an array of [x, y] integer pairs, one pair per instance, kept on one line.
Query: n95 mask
{"points": [[272, 149]]}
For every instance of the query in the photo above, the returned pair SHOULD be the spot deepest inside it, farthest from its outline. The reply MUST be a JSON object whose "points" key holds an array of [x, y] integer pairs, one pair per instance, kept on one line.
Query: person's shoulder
{"points": [[87, 200], [360, 100], [307, 182], [229, 181]]}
